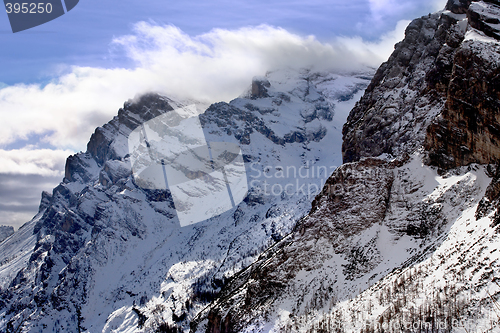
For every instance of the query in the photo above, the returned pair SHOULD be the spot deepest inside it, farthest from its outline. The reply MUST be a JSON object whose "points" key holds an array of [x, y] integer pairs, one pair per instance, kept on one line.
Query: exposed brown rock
{"points": [[259, 88], [440, 92], [468, 130]]}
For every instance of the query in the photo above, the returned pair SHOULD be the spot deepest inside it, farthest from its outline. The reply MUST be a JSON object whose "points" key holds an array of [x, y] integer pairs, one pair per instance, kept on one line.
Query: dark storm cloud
{"points": [[20, 196]]}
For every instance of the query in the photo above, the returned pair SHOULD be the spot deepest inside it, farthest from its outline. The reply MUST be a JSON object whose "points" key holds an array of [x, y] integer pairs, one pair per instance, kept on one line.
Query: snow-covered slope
{"points": [[374, 220], [454, 288], [104, 255]]}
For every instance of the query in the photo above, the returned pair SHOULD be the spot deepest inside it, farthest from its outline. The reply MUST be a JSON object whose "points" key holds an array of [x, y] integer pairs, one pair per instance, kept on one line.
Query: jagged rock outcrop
{"points": [[406, 93], [5, 231], [485, 17], [102, 145], [435, 90], [45, 201], [468, 129], [259, 87], [458, 6]]}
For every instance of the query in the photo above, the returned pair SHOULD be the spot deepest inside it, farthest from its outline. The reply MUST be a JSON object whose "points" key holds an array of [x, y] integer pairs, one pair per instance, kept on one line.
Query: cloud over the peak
{"points": [[211, 67]]}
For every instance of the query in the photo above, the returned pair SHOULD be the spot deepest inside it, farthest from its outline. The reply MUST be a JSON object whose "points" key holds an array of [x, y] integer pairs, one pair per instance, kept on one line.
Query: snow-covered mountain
{"points": [[404, 236], [105, 255]]}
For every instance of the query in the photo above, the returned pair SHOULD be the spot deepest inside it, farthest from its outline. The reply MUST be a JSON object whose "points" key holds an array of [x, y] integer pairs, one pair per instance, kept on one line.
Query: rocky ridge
{"points": [[440, 82]]}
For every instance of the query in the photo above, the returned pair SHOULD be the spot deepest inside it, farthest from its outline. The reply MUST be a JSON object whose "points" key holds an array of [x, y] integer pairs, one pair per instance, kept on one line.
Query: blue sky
{"points": [[62, 79], [83, 35]]}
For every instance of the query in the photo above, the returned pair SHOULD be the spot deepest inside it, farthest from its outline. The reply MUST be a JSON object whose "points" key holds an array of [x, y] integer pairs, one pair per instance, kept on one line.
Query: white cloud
{"points": [[380, 49], [211, 67], [28, 161]]}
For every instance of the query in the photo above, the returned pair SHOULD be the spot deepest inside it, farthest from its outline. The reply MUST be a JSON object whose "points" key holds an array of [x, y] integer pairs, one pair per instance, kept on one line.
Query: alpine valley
{"points": [[373, 206]]}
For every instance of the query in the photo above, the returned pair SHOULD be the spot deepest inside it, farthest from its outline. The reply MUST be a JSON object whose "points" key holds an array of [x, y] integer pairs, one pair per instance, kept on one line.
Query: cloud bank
{"points": [[24, 174], [20, 196], [210, 67]]}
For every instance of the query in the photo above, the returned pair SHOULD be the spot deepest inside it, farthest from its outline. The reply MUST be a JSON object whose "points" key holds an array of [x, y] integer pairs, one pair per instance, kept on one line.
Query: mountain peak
{"points": [[102, 248]]}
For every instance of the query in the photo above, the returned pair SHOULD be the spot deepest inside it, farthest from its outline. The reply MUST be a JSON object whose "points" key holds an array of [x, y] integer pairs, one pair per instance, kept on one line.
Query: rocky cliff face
{"points": [[467, 130], [394, 238], [439, 89], [407, 92]]}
